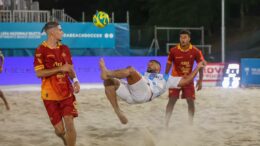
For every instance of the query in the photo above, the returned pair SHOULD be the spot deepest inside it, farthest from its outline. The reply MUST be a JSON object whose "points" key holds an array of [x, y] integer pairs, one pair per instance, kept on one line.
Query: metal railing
{"points": [[6, 16], [24, 16], [68, 18], [60, 15], [30, 16], [34, 16]]}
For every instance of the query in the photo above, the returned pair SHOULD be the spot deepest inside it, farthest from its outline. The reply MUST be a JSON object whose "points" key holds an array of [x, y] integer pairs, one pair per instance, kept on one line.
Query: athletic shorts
{"points": [[58, 109], [173, 82], [188, 92], [138, 92]]}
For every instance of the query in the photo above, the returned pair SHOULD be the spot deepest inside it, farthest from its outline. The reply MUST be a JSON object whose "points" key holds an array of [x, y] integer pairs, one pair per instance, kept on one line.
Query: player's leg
{"points": [[130, 73], [133, 76], [111, 85], [69, 111], [60, 131], [173, 97], [191, 109], [54, 112], [70, 134], [169, 110], [4, 99], [189, 94]]}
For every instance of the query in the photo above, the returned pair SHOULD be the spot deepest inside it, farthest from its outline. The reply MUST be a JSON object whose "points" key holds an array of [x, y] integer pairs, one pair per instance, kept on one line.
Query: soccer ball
{"points": [[100, 19]]}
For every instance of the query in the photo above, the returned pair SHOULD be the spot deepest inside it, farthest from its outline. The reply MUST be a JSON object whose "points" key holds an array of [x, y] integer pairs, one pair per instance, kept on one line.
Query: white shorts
{"points": [[173, 82], [139, 92]]}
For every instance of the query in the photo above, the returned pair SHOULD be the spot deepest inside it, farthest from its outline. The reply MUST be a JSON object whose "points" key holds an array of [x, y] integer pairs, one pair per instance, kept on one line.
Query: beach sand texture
{"points": [[224, 117]]}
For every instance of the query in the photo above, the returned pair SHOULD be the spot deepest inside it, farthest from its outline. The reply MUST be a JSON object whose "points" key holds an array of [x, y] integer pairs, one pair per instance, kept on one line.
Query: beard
{"points": [[184, 44], [150, 70]]}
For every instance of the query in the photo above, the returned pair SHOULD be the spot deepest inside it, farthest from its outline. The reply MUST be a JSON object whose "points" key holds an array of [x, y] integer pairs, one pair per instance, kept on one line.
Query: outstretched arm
{"points": [[186, 80]]}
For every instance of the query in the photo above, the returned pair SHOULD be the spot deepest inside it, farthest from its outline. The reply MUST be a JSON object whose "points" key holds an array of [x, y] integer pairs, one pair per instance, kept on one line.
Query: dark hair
{"points": [[185, 31], [50, 25], [155, 62]]}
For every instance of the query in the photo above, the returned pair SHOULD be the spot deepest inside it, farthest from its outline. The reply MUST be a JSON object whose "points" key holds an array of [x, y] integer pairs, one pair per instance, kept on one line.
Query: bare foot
{"points": [[121, 117], [103, 69]]}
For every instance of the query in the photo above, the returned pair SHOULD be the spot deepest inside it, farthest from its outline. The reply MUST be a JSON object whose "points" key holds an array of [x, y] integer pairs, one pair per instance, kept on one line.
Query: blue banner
{"points": [[19, 70], [250, 72], [76, 35]]}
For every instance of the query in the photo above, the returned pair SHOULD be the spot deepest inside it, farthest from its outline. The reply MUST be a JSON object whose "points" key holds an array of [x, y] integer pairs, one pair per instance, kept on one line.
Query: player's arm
{"points": [[168, 67], [72, 73], [199, 81], [39, 66], [73, 77], [48, 72], [199, 58], [170, 60], [186, 80], [169, 63], [201, 74]]}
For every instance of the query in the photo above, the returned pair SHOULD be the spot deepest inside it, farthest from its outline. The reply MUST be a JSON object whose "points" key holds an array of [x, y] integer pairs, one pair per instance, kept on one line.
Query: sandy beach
{"points": [[224, 117]]}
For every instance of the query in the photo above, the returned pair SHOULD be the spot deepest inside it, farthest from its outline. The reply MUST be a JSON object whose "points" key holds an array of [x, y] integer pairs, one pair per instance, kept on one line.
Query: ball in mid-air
{"points": [[100, 19]]}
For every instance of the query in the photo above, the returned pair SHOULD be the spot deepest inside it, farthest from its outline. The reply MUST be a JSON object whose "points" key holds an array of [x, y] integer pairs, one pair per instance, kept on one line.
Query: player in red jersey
{"points": [[53, 64], [182, 58], [1, 92]]}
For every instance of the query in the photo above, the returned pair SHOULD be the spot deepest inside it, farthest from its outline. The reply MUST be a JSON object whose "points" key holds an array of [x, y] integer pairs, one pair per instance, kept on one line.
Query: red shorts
{"points": [[58, 109], [188, 92]]}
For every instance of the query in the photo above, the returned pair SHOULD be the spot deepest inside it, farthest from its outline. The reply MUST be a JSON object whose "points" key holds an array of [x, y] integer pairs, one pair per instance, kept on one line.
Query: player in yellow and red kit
{"points": [[182, 58], [53, 64]]}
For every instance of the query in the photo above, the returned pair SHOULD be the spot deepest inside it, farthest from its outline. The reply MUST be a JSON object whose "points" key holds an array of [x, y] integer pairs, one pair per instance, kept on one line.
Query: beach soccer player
{"points": [[181, 58], [139, 88], [53, 64]]}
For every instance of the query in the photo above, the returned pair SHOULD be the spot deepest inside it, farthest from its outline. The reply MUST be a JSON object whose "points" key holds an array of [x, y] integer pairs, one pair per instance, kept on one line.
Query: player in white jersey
{"points": [[139, 88]]}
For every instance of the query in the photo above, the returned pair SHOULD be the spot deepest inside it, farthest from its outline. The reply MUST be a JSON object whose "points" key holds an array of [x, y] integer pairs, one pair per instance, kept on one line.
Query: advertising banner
{"points": [[213, 74], [250, 72], [76, 35], [19, 70]]}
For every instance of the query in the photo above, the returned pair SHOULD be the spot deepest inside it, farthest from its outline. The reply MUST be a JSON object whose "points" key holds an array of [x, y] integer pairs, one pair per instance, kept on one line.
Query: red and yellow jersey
{"points": [[183, 60], [57, 86]]}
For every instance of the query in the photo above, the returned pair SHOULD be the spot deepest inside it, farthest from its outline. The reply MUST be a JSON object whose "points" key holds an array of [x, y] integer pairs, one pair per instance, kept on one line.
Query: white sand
{"points": [[224, 117]]}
